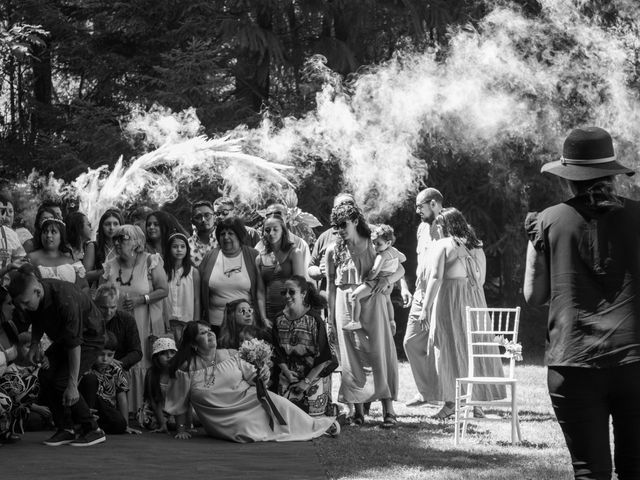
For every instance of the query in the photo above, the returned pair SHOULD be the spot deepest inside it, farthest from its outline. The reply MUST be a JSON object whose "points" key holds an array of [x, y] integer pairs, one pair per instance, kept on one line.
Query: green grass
{"points": [[422, 448]]}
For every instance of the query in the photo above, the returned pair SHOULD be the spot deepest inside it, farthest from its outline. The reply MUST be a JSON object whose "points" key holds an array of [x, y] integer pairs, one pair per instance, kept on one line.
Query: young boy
{"points": [[387, 260], [105, 389]]}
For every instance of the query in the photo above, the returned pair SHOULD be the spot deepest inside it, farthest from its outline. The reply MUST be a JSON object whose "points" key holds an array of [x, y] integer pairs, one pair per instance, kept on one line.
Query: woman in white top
{"points": [[229, 272], [52, 256]]}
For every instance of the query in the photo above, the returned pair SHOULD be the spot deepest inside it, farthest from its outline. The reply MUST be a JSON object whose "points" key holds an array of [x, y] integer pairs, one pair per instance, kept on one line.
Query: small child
{"points": [[386, 263], [182, 304], [156, 382], [105, 390]]}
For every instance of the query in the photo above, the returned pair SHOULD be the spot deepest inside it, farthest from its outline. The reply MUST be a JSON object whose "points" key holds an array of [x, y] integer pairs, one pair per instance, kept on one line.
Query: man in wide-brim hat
{"points": [[584, 259]]}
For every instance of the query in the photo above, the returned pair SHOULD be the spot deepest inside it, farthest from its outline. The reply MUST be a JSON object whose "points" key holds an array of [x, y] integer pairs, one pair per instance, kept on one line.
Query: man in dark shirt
{"points": [[76, 329], [121, 324]]}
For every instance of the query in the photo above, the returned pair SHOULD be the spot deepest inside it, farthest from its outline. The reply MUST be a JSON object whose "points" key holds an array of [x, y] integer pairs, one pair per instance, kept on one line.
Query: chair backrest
{"points": [[486, 327]]}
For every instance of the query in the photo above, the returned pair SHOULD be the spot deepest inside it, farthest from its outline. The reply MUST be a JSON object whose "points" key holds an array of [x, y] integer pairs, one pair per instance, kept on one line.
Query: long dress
{"points": [[148, 317], [228, 407], [301, 343], [368, 356], [447, 353], [274, 274]]}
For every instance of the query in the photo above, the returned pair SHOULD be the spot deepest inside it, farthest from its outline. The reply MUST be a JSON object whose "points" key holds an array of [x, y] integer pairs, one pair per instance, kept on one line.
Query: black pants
{"points": [[53, 383], [583, 400], [109, 418]]}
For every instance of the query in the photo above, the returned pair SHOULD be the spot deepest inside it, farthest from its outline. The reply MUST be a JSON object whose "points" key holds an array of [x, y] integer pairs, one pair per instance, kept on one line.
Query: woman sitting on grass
{"points": [[220, 388]]}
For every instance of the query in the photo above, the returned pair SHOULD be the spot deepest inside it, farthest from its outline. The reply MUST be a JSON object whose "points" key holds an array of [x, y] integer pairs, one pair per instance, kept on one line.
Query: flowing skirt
{"points": [[448, 357]]}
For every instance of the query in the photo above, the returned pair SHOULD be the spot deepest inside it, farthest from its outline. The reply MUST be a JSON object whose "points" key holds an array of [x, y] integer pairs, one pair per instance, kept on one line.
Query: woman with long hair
{"points": [[219, 385], [455, 282], [368, 356], [103, 249], [158, 227], [78, 234]]}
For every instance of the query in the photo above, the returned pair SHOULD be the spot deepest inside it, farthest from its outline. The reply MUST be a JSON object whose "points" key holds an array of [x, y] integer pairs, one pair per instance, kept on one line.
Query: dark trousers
{"points": [[109, 417], [583, 400], [53, 383]]}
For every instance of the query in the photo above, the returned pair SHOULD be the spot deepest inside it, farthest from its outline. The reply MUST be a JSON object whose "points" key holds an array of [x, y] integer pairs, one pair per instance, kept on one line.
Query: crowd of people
{"points": [[144, 327]]}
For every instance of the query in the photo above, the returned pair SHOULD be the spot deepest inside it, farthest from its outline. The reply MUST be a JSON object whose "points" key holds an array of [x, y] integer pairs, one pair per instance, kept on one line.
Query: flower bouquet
{"points": [[258, 353], [512, 349]]}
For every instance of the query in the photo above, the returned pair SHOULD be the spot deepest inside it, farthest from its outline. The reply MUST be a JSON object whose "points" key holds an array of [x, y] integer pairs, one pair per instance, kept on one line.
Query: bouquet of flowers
{"points": [[512, 349], [258, 353]]}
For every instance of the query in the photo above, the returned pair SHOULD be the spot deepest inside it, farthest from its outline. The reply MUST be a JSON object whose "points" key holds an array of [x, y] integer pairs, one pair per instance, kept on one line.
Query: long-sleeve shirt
{"points": [[129, 351]]}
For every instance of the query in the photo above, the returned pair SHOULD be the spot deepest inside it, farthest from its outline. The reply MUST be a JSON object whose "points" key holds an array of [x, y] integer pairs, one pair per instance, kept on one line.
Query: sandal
{"points": [[390, 421], [444, 413]]}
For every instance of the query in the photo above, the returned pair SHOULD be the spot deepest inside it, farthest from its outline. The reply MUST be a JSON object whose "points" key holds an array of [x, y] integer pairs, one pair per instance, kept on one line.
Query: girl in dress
{"points": [[156, 382], [182, 304], [102, 250]]}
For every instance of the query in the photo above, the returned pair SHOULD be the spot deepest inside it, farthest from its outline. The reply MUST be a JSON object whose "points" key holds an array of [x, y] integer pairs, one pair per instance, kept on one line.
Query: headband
{"points": [[55, 220], [179, 235]]}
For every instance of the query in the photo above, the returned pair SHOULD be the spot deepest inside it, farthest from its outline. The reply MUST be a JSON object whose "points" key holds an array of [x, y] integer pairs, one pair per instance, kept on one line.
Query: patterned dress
{"points": [[301, 343]]}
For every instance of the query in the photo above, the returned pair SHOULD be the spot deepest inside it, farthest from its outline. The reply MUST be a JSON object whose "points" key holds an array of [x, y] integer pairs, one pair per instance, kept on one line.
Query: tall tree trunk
{"points": [[42, 84]]}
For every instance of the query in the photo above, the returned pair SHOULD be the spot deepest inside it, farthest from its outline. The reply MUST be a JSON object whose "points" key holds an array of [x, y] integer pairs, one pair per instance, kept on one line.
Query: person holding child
{"points": [[368, 356], [105, 390], [386, 263], [182, 303], [302, 350], [219, 385]]}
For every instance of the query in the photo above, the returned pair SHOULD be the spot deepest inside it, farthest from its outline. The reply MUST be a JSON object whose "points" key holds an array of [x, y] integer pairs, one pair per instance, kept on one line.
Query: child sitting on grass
{"points": [[387, 261], [152, 415], [105, 390]]}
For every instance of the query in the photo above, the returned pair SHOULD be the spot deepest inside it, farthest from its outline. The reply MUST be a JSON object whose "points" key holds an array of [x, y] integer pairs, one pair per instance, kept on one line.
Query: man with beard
{"points": [[428, 206], [203, 238]]}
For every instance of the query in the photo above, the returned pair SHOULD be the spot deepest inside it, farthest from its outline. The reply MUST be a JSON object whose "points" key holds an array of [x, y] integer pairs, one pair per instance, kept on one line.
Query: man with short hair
{"points": [[428, 206], [203, 238], [225, 207], [122, 324]]}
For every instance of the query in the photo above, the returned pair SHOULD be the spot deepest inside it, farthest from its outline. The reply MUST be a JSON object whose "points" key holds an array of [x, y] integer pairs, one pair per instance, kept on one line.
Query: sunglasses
{"points": [[244, 311], [288, 291], [271, 214], [339, 226], [203, 216], [121, 238], [222, 213]]}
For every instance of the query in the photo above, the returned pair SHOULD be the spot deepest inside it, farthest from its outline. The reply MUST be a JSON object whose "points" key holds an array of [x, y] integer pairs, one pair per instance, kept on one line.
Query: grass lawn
{"points": [[422, 448]]}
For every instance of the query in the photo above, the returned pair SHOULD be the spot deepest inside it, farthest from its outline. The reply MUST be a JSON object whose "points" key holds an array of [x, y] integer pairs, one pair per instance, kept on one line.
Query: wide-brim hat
{"points": [[587, 154]]}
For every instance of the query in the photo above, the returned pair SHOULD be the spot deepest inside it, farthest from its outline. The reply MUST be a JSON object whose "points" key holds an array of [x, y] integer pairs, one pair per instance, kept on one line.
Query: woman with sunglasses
{"points": [[238, 314], [302, 351], [368, 356], [142, 282]]}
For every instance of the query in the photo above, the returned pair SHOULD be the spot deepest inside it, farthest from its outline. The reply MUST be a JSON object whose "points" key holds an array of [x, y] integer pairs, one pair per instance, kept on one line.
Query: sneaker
{"points": [[61, 437], [92, 437], [350, 326]]}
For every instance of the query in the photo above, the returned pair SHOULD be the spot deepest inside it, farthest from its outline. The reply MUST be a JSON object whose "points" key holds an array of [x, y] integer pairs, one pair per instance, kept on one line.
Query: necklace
{"points": [[119, 278], [177, 274], [231, 269], [209, 364]]}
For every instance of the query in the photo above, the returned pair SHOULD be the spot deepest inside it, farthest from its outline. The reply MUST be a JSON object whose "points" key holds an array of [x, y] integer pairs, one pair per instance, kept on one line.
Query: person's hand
{"points": [[301, 387], [392, 324], [116, 362], [183, 435], [352, 297], [323, 268], [264, 373], [133, 431], [34, 355], [381, 285], [291, 377], [128, 303], [406, 298], [424, 319], [70, 395]]}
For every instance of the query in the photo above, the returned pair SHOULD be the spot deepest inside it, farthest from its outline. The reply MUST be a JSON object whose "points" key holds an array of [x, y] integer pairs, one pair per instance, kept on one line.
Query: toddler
{"points": [[387, 261]]}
